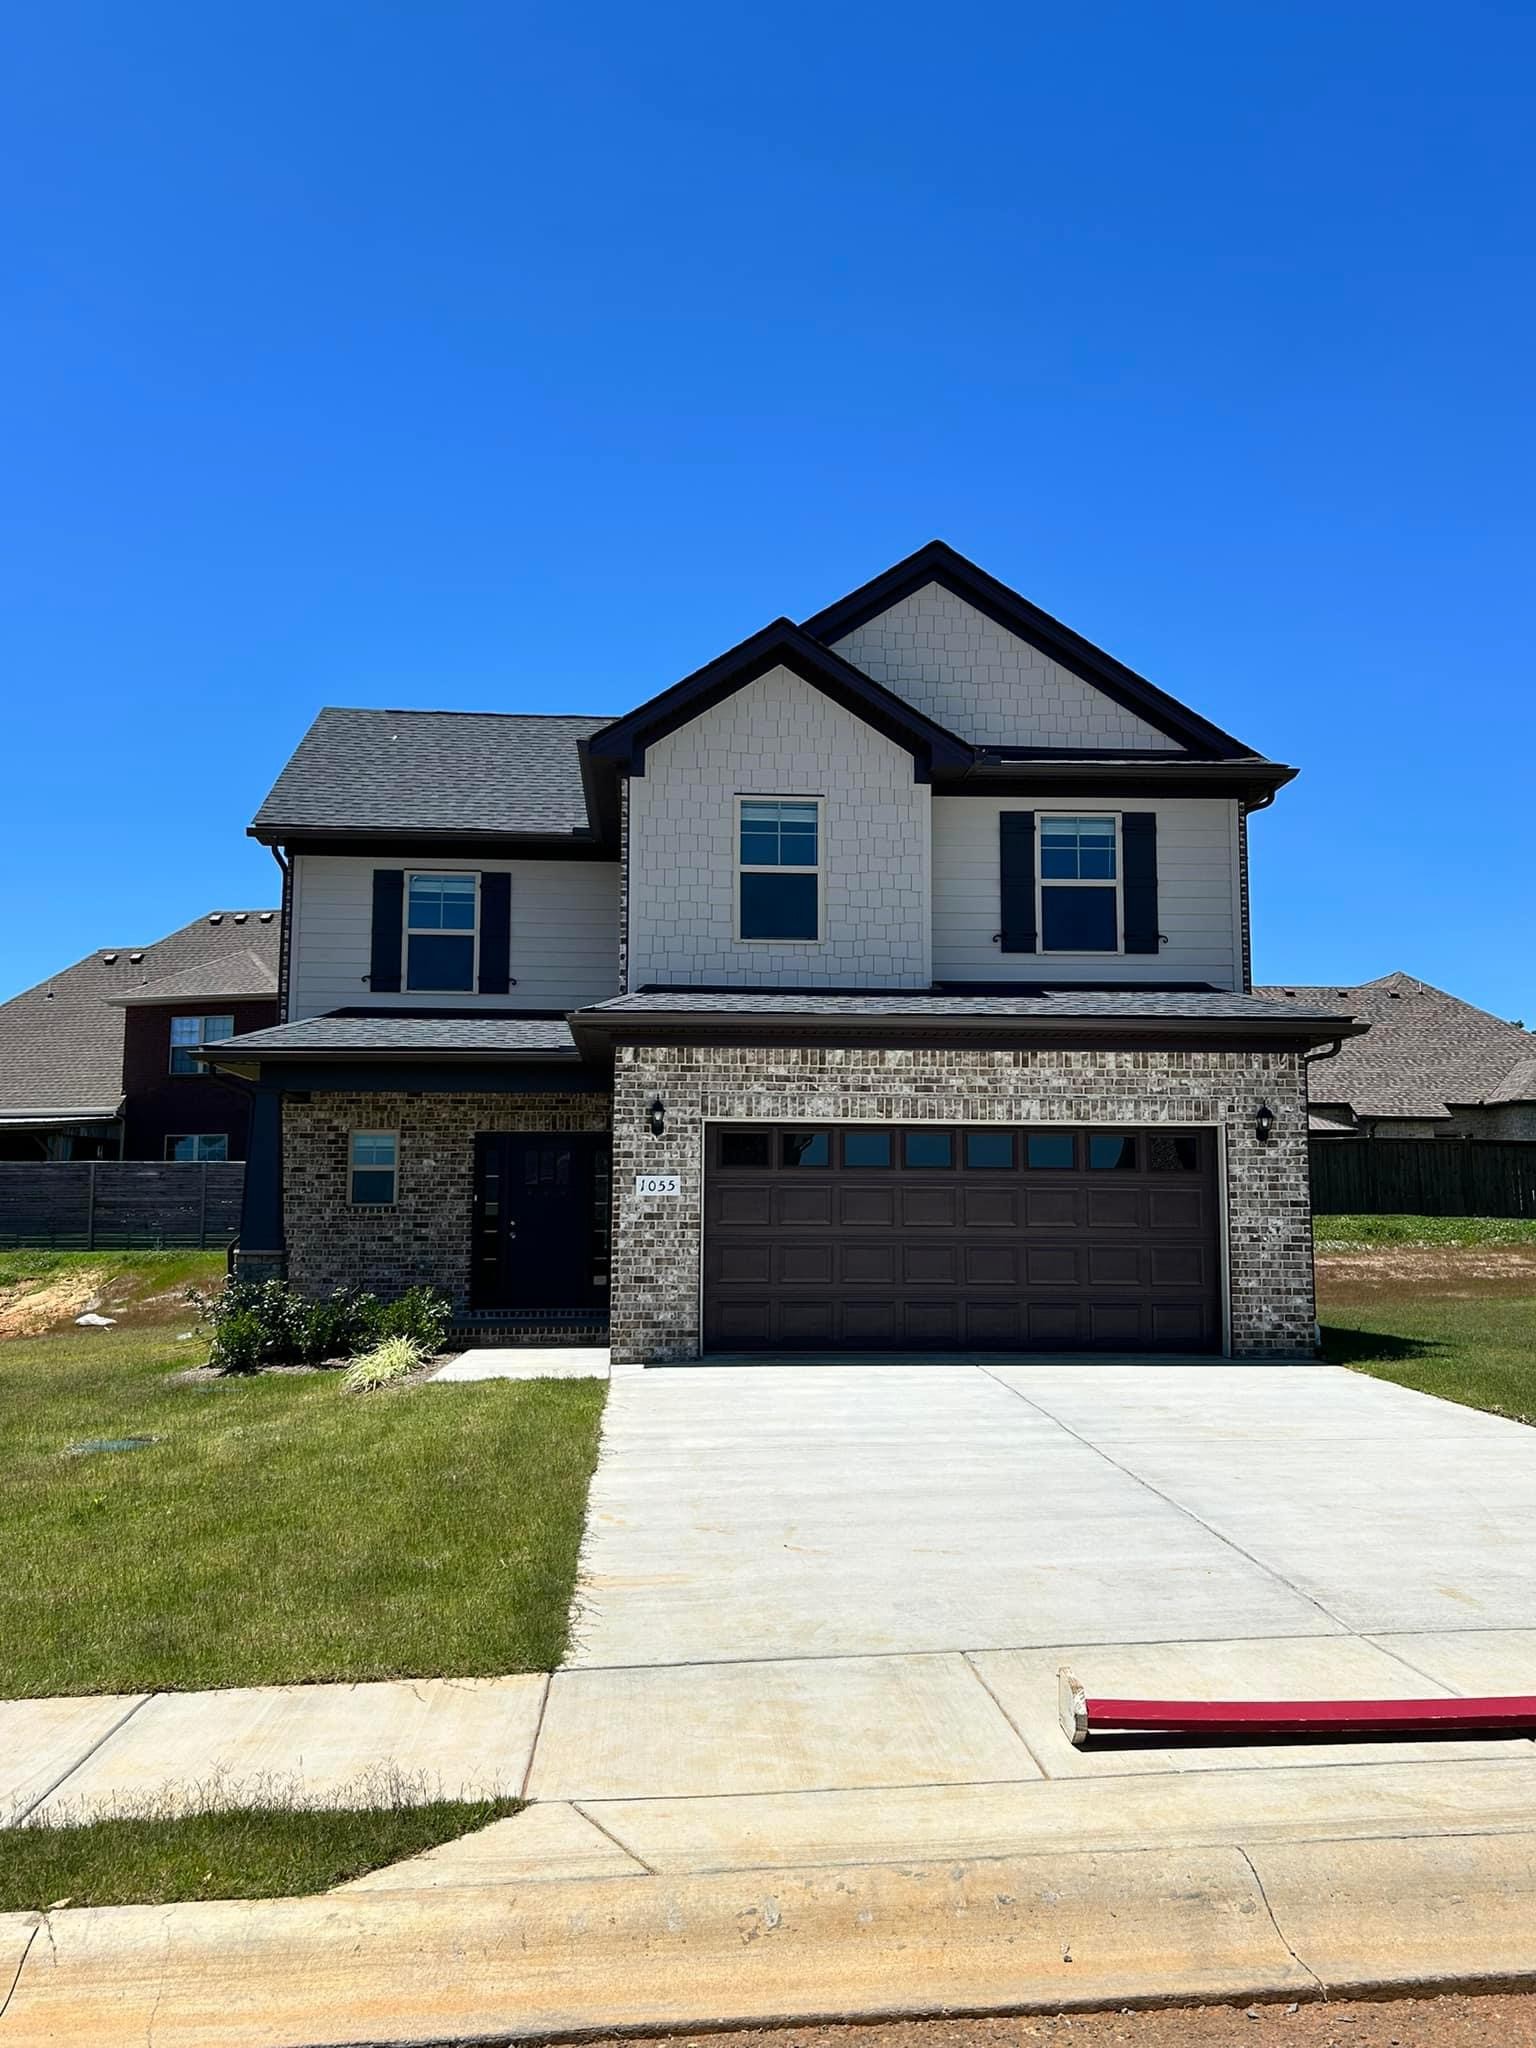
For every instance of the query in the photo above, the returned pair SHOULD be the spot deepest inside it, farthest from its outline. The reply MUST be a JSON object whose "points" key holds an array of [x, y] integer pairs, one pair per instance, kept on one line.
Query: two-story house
{"points": [[883, 986]]}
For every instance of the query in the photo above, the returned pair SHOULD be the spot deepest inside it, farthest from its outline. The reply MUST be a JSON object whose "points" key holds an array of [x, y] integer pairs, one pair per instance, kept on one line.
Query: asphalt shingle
{"points": [[432, 771], [400, 1031]]}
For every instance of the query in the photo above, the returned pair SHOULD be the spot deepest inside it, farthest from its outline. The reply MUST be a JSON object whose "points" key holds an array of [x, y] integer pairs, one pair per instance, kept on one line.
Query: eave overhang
{"points": [[934, 749], [597, 1033], [581, 845], [1029, 772]]}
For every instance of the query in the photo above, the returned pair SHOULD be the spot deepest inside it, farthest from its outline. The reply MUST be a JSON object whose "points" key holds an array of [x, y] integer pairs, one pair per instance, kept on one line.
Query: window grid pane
{"points": [[442, 903], [778, 835]]}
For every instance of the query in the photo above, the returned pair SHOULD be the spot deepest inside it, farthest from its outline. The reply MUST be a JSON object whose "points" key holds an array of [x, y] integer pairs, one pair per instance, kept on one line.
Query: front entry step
{"points": [[556, 1327]]}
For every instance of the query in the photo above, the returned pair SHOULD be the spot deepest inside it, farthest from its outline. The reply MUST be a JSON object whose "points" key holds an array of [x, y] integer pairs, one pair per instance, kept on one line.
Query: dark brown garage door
{"points": [[893, 1238]]}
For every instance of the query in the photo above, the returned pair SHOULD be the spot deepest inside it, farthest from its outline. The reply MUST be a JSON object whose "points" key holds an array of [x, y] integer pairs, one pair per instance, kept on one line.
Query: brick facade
{"points": [[655, 1305], [424, 1240]]}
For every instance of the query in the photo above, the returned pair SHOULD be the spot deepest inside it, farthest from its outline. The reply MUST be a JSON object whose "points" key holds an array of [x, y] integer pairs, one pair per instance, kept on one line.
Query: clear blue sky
{"points": [[523, 358]]}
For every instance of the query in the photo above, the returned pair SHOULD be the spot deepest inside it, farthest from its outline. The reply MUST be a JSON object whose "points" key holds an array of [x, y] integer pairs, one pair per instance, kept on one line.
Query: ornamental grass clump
{"points": [[393, 1360]]}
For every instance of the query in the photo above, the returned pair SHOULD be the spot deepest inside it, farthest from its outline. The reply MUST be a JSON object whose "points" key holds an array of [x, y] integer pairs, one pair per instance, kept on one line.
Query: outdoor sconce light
{"points": [[658, 1116], [1263, 1122]]}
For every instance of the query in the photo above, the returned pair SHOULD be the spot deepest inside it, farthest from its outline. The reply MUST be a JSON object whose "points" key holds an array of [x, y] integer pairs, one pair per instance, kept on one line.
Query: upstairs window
{"points": [[189, 1031], [205, 1145], [375, 1162], [1079, 885], [440, 933], [779, 882]]}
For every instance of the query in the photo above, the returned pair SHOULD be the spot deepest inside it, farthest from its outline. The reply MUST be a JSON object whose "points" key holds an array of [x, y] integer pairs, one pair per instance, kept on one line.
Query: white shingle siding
{"points": [[778, 737], [1199, 895], [986, 684], [565, 934]]}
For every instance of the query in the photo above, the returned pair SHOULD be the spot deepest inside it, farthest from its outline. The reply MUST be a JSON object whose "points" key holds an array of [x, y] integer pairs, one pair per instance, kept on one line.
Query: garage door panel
{"points": [[869, 1264], [804, 1265], [1052, 1241], [797, 1203]]}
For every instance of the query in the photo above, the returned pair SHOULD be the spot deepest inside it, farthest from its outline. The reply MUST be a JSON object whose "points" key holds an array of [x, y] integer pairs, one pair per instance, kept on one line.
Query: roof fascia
{"points": [[780, 645], [1249, 779], [581, 845], [942, 564]]}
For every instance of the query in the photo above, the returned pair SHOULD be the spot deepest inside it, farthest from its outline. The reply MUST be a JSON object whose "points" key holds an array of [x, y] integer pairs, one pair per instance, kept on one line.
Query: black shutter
{"points": [[495, 934], [1016, 853], [1138, 847], [388, 930]]}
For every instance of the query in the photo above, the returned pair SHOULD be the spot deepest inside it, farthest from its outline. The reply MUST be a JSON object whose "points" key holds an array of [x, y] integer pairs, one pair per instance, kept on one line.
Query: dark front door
{"points": [[916, 1238], [541, 1223]]}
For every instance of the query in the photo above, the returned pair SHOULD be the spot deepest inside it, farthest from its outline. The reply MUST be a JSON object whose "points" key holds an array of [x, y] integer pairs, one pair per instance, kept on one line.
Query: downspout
{"points": [[1244, 810], [284, 931]]}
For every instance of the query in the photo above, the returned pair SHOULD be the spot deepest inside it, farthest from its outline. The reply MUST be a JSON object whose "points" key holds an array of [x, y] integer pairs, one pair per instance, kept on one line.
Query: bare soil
{"points": [[33, 1306], [1503, 2020], [1447, 1272]]}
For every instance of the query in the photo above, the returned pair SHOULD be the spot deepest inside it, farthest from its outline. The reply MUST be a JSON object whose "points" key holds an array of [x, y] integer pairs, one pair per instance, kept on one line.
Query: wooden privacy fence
{"points": [[119, 1204], [1422, 1177]]}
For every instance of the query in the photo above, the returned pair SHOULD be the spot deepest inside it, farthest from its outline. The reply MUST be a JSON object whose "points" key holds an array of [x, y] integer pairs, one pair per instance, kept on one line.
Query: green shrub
{"points": [[383, 1365], [420, 1313], [268, 1322]]}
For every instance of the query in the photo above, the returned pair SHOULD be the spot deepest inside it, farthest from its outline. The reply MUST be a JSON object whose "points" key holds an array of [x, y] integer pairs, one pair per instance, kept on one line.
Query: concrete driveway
{"points": [[823, 1608]]}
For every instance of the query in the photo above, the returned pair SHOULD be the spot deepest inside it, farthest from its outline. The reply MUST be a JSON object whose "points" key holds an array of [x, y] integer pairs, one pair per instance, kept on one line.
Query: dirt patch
{"points": [[1508, 2019], [33, 1306], [1449, 1272]]}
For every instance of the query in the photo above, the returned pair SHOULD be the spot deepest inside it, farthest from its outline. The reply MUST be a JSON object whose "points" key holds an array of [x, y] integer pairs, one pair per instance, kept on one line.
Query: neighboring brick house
{"points": [[1431, 1066], [881, 987], [96, 1061]]}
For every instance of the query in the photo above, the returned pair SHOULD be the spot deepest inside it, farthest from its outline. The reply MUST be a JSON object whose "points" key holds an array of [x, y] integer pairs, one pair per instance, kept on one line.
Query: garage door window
{"points": [[807, 1148], [746, 1148], [1112, 1154], [1045, 1151], [989, 1149], [927, 1148], [1173, 1152], [867, 1148]]}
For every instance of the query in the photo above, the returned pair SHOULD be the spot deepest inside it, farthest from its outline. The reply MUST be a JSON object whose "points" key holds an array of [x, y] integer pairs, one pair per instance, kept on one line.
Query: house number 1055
{"points": [[658, 1184]]}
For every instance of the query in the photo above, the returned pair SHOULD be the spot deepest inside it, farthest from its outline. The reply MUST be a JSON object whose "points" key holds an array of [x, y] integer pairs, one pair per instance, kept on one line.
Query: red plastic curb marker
{"points": [[1296, 1720]]}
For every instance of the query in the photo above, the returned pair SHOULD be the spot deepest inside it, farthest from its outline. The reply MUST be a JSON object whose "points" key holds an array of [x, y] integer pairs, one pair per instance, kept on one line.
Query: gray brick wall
{"points": [[779, 737], [424, 1240], [986, 684], [655, 1296]]}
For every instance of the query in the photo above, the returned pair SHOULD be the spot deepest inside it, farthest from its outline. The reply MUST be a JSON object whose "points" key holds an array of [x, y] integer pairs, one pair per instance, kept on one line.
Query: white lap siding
{"points": [[778, 737], [1199, 895], [565, 933]]}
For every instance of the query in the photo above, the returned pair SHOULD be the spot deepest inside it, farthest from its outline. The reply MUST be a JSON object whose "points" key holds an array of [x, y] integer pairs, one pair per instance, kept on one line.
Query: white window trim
{"points": [[739, 867], [410, 931], [202, 1022], [173, 1138], [353, 1167], [1044, 882]]}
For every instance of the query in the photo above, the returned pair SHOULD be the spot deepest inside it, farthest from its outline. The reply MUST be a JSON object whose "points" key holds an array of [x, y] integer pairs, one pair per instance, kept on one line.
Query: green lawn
{"points": [[1444, 1231], [248, 1853], [277, 1529], [1443, 1304]]}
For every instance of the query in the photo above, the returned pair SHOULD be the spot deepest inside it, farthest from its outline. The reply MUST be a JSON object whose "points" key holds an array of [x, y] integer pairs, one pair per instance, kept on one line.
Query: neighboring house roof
{"points": [[1425, 1052], [242, 976], [477, 773], [401, 776], [61, 1043], [398, 1031]]}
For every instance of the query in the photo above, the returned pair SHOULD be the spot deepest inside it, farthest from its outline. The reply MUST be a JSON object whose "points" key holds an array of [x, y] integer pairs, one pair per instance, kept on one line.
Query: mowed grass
{"points": [[278, 1529], [246, 1853], [1443, 1304], [137, 1272], [1454, 1232]]}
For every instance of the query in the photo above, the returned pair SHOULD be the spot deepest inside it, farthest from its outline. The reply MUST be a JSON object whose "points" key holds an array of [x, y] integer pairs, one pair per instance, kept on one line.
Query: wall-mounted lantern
{"points": [[1263, 1122], [658, 1117]]}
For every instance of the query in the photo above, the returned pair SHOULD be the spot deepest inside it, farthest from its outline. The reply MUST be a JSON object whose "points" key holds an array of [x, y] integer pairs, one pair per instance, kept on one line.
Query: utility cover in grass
{"points": [[92, 1444]]}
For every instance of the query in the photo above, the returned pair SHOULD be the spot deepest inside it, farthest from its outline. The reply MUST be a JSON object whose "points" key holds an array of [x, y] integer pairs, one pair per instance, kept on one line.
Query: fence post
{"points": [[90, 1211], [202, 1211]]}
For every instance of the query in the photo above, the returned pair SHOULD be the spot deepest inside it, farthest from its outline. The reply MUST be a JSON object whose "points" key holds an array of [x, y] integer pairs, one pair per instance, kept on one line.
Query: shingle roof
{"points": [[244, 973], [1103, 1003], [400, 1032], [432, 771], [61, 1043], [1424, 1052]]}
